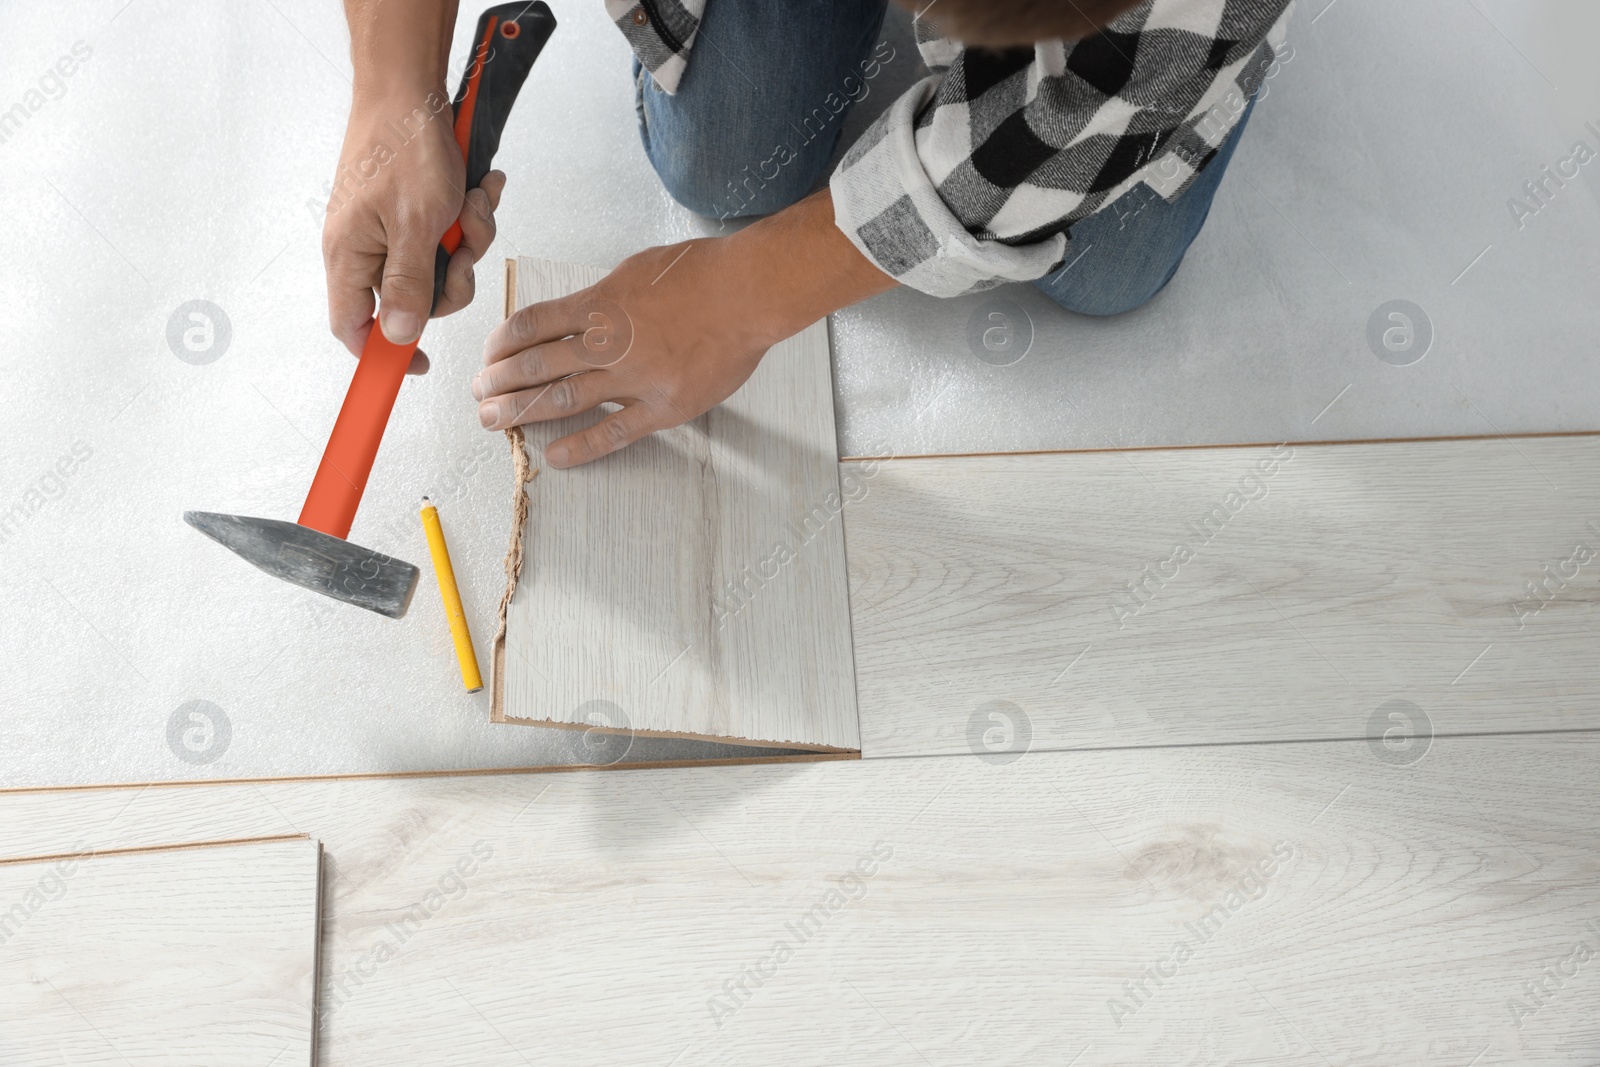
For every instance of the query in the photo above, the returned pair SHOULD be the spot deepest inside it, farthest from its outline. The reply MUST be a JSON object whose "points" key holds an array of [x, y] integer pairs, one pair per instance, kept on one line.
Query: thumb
{"points": [[407, 288]]}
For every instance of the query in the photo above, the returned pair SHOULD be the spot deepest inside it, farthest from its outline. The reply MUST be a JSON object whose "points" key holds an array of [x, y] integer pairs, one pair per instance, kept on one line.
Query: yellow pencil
{"points": [[451, 597]]}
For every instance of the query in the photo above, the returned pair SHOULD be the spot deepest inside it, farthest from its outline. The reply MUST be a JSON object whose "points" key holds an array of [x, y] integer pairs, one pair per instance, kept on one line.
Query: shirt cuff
{"points": [[887, 205], [660, 35]]}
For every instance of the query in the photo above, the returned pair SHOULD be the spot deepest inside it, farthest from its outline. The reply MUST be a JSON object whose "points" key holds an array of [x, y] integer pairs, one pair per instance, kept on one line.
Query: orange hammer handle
{"points": [[353, 446], [482, 106]]}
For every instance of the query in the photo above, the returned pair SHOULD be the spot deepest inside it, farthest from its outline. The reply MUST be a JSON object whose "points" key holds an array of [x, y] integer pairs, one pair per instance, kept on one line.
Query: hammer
{"points": [[313, 553]]}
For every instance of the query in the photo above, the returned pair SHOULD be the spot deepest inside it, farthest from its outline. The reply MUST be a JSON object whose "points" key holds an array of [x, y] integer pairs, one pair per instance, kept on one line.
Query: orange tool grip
{"points": [[342, 475]]}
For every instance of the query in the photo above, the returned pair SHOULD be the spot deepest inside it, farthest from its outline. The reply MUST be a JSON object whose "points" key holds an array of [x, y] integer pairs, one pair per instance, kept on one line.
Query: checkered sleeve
{"points": [[660, 32], [977, 174]]}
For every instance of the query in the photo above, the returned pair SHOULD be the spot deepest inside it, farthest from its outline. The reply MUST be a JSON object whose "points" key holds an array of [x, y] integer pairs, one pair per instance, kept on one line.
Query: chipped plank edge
{"points": [[497, 650]]}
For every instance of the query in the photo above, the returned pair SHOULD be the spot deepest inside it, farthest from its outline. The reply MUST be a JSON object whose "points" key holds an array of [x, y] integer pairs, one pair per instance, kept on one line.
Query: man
{"points": [[1073, 144]]}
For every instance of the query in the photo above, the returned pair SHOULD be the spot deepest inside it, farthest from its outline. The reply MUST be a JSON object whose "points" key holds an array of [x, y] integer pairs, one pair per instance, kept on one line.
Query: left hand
{"points": [[671, 332], [664, 335]]}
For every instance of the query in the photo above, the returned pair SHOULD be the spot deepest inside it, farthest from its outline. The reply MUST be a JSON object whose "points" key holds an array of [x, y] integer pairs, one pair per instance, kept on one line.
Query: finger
{"points": [[419, 359], [554, 400], [531, 367], [617, 430], [407, 288], [494, 183], [357, 340], [549, 320], [477, 224], [351, 277], [458, 284]]}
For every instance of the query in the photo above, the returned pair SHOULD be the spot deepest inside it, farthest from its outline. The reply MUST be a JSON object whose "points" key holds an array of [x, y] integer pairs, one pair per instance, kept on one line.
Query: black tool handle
{"points": [[509, 38]]}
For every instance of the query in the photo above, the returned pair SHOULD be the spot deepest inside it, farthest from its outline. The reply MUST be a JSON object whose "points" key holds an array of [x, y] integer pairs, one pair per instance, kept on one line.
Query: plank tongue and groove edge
{"points": [[197, 955], [693, 584]]}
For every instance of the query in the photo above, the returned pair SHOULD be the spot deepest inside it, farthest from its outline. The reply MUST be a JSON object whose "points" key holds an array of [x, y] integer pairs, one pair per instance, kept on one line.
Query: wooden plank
{"points": [[1338, 907], [198, 955], [1087, 600], [694, 583]]}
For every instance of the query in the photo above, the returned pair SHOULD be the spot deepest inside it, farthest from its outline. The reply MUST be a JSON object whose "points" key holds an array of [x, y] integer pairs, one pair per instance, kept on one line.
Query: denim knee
{"points": [[1133, 247], [715, 180], [725, 171], [1098, 302]]}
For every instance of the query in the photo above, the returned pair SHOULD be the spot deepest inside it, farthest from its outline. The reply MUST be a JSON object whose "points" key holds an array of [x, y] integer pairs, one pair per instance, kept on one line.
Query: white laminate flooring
{"points": [[693, 583], [183, 957], [1296, 905], [1099, 600]]}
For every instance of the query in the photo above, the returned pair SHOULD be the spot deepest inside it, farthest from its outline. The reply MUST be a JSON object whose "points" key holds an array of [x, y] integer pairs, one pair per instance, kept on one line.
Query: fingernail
{"points": [[402, 327], [557, 455], [489, 414], [477, 387]]}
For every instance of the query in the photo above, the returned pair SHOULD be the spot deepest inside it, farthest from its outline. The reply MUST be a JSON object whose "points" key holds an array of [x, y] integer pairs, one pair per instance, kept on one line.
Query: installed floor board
{"points": [[203, 956], [1074, 600], [1333, 907], [694, 583]]}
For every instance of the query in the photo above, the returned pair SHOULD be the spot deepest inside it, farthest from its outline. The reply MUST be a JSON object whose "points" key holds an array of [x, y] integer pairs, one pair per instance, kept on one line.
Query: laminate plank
{"points": [[1092, 600], [203, 956], [1334, 907], [694, 583]]}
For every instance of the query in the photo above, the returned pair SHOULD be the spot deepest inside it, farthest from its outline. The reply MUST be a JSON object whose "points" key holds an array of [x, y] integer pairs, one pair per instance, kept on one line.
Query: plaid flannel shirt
{"points": [[977, 173]]}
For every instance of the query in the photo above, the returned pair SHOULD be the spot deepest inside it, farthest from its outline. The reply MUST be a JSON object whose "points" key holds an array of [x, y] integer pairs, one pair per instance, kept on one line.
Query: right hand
{"points": [[392, 201]]}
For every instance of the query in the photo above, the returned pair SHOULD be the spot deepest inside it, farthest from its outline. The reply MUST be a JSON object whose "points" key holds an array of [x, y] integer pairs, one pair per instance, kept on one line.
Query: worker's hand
{"points": [[671, 332], [664, 335], [392, 201]]}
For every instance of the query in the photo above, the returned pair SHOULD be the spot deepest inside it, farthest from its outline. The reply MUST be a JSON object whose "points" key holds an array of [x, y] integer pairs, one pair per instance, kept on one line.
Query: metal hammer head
{"points": [[312, 560]]}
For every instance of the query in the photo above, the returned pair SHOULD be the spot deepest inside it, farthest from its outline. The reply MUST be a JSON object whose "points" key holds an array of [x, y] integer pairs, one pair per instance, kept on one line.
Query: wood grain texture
{"points": [[694, 583], [203, 956], [1337, 908], [1225, 594]]}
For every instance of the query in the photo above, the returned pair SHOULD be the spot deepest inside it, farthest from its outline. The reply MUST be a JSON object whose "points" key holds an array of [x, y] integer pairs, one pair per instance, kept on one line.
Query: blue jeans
{"points": [[758, 113], [1127, 252], [761, 103]]}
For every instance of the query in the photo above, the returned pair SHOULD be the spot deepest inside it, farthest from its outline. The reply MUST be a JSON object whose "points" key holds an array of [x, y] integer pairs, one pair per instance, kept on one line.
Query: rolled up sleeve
{"points": [[886, 202], [975, 176]]}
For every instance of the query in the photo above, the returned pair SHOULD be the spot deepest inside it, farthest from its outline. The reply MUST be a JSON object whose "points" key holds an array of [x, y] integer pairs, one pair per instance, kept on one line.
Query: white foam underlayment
{"points": [[1378, 167]]}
